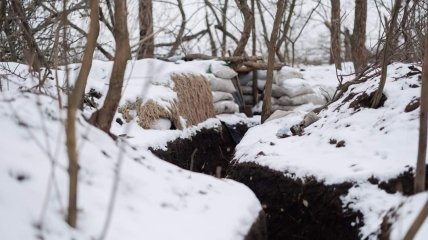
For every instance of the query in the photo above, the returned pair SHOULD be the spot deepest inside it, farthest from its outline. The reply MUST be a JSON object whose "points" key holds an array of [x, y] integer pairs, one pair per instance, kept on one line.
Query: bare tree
{"points": [[386, 54], [104, 116], [358, 38], [147, 44], [266, 109], [75, 99], [335, 33], [248, 23], [422, 148], [179, 37]]}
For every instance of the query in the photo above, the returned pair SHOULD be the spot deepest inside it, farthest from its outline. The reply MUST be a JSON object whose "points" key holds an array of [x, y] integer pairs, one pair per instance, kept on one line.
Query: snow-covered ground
{"points": [[153, 200], [348, 144]]}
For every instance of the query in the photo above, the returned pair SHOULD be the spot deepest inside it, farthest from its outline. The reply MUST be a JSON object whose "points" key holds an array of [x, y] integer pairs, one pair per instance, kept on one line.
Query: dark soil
{"points": [[403, 183], [413, 105], [258, 230], [365, 100], [296, 208], [209, 151]]}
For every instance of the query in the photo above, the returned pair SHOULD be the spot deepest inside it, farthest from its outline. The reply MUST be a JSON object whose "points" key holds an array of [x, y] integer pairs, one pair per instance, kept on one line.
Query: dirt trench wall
{"points": [[297, 209], [209, 151]]}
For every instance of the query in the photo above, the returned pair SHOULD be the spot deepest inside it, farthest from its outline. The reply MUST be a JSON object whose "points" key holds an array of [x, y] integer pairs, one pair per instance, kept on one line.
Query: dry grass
{"points": [[194, 103]]}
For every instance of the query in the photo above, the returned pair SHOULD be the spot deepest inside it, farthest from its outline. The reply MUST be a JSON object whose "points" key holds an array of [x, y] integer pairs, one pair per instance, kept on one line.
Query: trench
{"points": [[293, 208]]}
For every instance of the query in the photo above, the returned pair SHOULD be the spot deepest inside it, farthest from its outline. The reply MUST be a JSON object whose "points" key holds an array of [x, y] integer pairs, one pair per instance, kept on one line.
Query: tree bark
{"points": [[254, 38], [34, 56], [267, 105], [224, 26], [104, 116], [421, 161], [73, 102], [180, 34], [287, 26], [335, 33], [248, 23], [386, 55], [147, 42], [359, 54]]}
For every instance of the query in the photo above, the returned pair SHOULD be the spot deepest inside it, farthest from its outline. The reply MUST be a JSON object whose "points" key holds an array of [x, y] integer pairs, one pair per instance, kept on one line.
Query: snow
{"points": [[388, 136], [379, 143], [154, 199]]}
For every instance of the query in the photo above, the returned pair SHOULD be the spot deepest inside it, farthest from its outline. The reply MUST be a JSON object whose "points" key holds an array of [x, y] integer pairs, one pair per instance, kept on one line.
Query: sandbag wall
{"points": [[223, 90], [289, 90]]}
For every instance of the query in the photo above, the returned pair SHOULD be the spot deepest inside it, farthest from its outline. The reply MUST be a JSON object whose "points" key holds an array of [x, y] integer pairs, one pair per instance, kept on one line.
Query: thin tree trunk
{"points": [[359, 35], [254, 38], [267, 105], [348, 48], [287, 26], [73, 102], [104, 116], [421, 162], [387, 53], [224, 24], [34, 56], [420, 219], [248, 23], [335, 33], [210, 35], [262, 20], [147, 42], [180, 34]]}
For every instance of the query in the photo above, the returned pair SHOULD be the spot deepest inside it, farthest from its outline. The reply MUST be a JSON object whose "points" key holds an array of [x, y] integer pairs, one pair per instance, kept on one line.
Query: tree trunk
{"points": [[34, 56], [248, 23], [224, 24], [254, 38], [266, 109], [348, 48], [421, 162], [335, 33], [386, 55], [74, 99], [287, 26], [147, 42], [104, 116], [359, 52], [180, 34]]}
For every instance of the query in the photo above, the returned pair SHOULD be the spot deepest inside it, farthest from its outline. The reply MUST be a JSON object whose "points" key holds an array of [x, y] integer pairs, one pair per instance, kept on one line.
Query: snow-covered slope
{"points": [[350, 143], [154, 199]]}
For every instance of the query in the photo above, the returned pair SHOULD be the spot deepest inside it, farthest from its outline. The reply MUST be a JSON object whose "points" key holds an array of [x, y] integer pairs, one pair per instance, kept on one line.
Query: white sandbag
{"points": [[161, 124], [295, 87], [221, 96], [248, 99], [226, 107], [310, 118], [278, 91], [288, 73], [326, 91], [278, 114], [220, 70], [276, 107], [247, 89], [314, 98], [261, 84], [220, 85]]}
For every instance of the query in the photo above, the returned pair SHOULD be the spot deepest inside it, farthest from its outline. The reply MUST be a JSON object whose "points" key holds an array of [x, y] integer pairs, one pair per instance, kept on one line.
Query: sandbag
{"points": [[288, 73], [276, 107], [226, 107], [314, 98], [248, 99], [221, 96], [278, 91], [247, 89], [278, 114], [220, 70], [221, 85], [161, 124], [295, 87]]}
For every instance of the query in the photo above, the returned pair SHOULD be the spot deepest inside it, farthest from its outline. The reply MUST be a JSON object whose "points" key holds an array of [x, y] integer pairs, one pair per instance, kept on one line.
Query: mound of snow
{"points": [[154, 199]]}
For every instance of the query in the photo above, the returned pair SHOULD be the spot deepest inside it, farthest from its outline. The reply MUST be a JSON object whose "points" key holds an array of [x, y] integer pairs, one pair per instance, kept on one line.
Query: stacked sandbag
{"points": [[222, 88], [246, 81]]}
